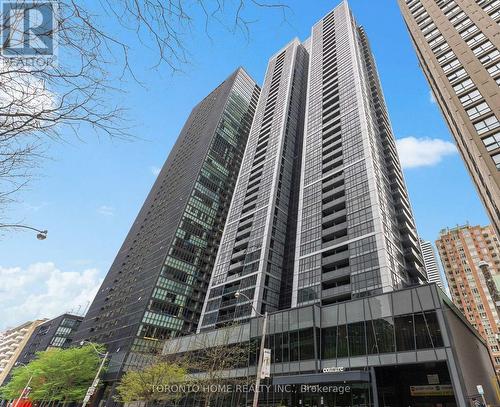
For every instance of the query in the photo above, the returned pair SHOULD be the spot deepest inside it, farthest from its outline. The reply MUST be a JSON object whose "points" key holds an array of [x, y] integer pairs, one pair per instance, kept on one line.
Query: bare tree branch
{"points": [[76, 95]]}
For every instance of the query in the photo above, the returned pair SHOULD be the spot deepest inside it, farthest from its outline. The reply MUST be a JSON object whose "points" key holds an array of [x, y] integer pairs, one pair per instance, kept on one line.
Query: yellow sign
{"points": [[438, 390]]}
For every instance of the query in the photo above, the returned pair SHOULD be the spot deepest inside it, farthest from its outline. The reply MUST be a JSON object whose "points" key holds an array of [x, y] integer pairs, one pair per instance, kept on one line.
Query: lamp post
{"points": [[25, 387], [41, 234], [255, 403], [93, 386]]}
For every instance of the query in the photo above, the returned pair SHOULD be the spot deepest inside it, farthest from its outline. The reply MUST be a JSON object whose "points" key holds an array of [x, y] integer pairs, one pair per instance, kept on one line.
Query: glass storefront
{"points": [[385, 335], [396, 343]]}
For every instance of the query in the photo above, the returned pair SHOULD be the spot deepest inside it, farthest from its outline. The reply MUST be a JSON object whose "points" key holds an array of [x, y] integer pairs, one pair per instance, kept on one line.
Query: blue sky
{"points": [[89, 193]]}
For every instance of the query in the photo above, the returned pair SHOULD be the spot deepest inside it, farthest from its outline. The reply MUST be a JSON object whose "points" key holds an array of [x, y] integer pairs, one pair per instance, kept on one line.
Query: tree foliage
{"points": [[146, 384], [56, 374], [213, 359]]}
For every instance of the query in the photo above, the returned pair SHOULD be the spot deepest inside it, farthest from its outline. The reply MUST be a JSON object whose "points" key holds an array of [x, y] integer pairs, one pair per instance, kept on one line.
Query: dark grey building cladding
{"points": [[156, 286], [55, 333], [256, 253]]}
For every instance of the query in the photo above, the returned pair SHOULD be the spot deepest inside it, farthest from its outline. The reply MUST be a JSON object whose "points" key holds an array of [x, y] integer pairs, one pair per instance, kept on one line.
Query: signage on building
{"points": [[433, 379], [440, 390], [266, 364], [333, 369]]}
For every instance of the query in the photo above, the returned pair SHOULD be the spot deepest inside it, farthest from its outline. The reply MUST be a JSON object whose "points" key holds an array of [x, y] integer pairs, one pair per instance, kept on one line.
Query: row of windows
{"points": [[386, 335], [472, 101]]}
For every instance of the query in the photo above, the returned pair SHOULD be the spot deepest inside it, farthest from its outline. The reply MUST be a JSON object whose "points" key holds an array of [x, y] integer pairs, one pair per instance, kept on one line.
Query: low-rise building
{"points": [[410, 347], [55, 333], [12, 344]]}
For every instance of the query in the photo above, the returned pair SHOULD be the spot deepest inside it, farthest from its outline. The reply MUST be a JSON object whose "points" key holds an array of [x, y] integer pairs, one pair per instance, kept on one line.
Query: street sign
{"points": [[480, 389], [266, 364]]}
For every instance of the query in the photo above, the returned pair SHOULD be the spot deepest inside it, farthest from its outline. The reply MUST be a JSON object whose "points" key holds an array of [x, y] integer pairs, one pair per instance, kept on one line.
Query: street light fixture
{"points": [[93, 386], [258, 376], [41, 234]]}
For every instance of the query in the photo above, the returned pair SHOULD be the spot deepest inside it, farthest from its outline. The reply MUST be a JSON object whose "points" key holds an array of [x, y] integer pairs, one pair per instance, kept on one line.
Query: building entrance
{"points": [[422, 385]]}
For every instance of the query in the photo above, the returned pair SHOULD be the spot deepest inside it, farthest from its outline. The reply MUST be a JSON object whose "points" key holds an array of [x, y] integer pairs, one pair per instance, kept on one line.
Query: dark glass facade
{"points": [[156, 286], [256, 254], [386, 347], [356, 235], [55, 333]]}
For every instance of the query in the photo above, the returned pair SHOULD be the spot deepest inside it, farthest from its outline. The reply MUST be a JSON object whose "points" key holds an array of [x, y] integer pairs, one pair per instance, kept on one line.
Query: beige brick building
{"points": [[12, 343], [463, 250], [458, 46]]}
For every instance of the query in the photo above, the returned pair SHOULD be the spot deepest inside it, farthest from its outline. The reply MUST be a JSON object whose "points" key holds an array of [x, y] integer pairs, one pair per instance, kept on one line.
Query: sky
{"points": [[88, 193]]}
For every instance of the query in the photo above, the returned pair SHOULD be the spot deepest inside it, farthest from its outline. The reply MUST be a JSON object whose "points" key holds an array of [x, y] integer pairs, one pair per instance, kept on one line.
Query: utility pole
{"points": [[259, 374]]}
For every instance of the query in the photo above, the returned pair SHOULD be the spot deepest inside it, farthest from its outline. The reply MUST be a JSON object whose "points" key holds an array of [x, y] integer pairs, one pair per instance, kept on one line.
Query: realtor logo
{"points": [[28, 29]]}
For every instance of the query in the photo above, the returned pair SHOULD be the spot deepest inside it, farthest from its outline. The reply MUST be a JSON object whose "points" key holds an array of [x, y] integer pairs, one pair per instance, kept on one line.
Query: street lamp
{"points": [[41, 234], [237, 295], [23, 392], [93, 386]]}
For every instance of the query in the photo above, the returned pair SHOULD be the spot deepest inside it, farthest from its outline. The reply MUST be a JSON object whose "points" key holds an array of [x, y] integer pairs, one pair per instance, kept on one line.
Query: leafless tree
{"points": [[216, 359], [77, 94]]}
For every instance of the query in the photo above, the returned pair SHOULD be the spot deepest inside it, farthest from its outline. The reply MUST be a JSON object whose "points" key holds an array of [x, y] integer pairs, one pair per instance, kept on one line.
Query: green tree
{"points": [[62, 375], [148, 384]]}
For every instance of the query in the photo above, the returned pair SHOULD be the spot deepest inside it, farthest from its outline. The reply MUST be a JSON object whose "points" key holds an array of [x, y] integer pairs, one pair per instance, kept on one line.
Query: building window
{"points": [[492, 142], [460, 87], [486, 125], [357, 340], [493, 70], [306, 337], [479, 110], [329, 343], [469, 31], [446, 57], [441, 48], [380, 336], [482, 48], [405, 333], [496, 160], [476, 39], [457, 75], [470, 97], [489, 57], [463, 24], [451, 65]]}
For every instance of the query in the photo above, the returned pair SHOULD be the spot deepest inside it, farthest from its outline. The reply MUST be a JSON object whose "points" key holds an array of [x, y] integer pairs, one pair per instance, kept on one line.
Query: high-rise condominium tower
{"points": [[431, 263], [354, 232], [157, 283], [463, 251], [256, 251], [321, 236], [458, 47]]}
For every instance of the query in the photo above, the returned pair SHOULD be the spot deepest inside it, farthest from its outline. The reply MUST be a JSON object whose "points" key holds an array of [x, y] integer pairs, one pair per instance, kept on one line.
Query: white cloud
{"points": [[423, 152], [155, 171], [43, 291], [432, 98], [106, 210], [22, 93]]}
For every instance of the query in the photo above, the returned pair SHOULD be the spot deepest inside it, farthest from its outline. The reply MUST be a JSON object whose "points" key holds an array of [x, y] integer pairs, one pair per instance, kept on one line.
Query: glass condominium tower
{"points": [[256, 254], [353, 232], [156, 286], [458, 47], [356, 235]]}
